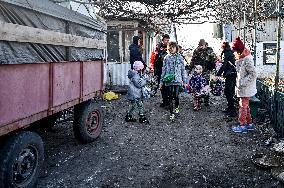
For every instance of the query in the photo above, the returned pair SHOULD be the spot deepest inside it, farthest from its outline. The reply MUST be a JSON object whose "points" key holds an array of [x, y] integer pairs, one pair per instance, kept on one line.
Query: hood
{"points": [[245, 53], [132, 46], [135, 40], [131, 73]]}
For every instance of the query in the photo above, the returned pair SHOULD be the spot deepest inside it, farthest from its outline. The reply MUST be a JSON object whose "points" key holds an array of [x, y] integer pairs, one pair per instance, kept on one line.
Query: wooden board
{"points": [[19, 33]]}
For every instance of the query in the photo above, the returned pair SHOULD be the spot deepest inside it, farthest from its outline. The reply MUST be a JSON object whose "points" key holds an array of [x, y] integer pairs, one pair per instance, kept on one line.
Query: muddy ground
{"points": [[198, 150]]}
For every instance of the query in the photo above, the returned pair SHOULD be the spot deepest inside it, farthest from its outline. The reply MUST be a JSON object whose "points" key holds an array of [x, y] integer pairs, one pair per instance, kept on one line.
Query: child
{"points": [[199, 86], [173, 77], [245, 85], [137, 82]]}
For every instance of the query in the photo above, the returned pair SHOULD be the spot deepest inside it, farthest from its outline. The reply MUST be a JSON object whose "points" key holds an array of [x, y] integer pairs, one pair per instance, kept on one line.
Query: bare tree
{"points": [[160, 12]]}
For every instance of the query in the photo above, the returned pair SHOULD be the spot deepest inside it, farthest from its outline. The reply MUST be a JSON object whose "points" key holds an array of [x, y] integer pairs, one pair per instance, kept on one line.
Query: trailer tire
{"points": [[88, 121], [21, 156]]}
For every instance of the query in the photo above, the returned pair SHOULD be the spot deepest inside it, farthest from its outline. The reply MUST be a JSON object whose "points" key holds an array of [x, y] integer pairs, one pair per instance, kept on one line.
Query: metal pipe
{"points": [[279, 20], [255, 32], [244, 28], [175, 31]]}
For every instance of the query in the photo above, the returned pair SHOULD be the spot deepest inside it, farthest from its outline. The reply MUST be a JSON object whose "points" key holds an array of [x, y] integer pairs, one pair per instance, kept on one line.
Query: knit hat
{"points": [[238, 45], [202, 42], [138, 65]]}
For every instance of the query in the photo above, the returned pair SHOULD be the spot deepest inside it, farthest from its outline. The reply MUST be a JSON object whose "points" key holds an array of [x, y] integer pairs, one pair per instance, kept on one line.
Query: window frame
{"points": [[265, 54]]}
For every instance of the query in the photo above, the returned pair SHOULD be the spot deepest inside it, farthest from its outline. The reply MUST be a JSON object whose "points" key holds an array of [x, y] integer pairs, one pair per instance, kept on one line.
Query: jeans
{"points": [[244, 111], [229, 92], [136, 104]]}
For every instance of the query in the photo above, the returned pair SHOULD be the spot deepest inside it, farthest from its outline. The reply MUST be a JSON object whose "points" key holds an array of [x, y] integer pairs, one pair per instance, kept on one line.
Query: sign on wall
{"points": [[269, 53]]}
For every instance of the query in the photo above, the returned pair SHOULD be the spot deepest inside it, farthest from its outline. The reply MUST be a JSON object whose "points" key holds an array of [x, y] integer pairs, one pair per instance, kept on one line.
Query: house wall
{"points": [[265, 70], [119, 37], [267, 35], [116, 73], [266, 31]]}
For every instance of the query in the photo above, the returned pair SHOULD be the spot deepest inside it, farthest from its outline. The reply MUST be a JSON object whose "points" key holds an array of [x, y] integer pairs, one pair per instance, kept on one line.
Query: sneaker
{"points": [[250, 127], [172, 117], [196, 108], [143, 119], [129, 118], [177, 110], [239, 129]]}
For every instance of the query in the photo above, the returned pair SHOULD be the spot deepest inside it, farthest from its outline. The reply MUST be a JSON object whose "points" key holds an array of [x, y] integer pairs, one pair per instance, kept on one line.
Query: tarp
{"points": [[47, 15], [47, 7]]}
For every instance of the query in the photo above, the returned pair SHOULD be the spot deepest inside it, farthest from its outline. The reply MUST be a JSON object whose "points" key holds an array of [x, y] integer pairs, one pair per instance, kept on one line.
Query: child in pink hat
{"points": [[137, 82]]}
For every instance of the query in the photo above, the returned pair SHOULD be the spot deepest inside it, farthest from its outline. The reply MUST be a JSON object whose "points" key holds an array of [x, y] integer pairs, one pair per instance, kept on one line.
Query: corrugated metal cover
{"points": [[116, 73]]}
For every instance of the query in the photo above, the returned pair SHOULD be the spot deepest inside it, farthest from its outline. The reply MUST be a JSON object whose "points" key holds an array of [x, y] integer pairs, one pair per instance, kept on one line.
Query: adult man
{"points": [[161, 52], [204, 56], [135, 54]]}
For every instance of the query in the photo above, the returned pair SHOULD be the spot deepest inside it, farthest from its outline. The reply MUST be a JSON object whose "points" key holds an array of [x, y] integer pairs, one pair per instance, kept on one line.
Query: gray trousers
{"points": [[136, 104]]}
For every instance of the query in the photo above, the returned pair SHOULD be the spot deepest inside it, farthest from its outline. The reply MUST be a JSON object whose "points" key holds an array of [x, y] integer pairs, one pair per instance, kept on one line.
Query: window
{"points": [[269, 53], [113, 46], [126, 41]]}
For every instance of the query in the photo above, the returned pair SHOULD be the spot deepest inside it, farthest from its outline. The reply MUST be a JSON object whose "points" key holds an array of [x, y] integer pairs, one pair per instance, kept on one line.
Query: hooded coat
{"points": [[135, 86], [135, 54], [246, 75]]}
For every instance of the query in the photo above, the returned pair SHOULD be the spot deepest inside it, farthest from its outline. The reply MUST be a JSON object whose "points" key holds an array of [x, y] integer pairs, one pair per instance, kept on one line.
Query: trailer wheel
{"points": [[88, 121], [21, 156]]}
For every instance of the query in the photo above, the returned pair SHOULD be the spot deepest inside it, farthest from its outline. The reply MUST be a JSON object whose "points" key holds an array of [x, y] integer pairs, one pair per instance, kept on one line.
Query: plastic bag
{"points": [[146, 92], [110, 96], [217, 88]]}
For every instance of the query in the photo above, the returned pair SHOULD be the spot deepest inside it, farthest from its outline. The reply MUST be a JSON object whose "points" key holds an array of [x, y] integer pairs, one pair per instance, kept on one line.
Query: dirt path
{"points": [[198, 150]]}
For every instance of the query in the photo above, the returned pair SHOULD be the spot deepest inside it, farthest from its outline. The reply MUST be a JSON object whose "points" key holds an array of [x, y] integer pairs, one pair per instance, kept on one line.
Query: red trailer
{"points": [[51, 59]]}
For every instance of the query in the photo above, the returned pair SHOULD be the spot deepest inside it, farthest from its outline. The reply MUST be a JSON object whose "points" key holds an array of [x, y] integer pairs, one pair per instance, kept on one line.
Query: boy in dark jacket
{"points": [[229, 72], [161, 52], [137, 82], [135, 54]]}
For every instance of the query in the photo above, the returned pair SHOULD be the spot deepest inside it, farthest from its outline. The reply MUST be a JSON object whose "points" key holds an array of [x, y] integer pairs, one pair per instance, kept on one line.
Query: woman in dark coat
{"points": [[135, 54], [229, 72]]}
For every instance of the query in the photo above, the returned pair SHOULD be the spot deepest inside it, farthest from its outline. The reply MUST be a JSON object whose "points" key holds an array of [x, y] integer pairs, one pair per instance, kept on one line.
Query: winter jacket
{"points": [[135, 86], [174, 64], [204, 57], [135, 54], [246, 75], [161, 52], [197, 82], [228, 68]]}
